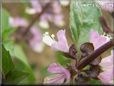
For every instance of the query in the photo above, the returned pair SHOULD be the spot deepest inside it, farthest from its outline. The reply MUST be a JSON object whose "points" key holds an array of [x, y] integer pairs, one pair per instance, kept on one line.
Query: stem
{"points": [[19, 35], [95, 54], [35, 19]]}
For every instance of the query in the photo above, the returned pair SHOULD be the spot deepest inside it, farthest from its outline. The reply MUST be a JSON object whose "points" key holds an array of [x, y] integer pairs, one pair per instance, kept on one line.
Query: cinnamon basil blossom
{"points": [[60, 45], [97, 39], [18, 22], [33, 36], [53, 14], [107, 74], [60, 75], [73, 73]]}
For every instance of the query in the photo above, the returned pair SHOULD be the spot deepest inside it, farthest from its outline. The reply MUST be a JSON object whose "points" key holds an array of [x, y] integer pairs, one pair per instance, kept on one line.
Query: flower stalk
{"points": [[95, 54], [26, 29], [35, 19]]}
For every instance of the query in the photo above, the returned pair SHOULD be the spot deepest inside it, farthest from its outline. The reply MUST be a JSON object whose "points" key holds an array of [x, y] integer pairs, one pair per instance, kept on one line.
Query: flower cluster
{"points": [[53, 14], [49, 11], [36, 40], [60, 76], [98, 67], [107, 76]]}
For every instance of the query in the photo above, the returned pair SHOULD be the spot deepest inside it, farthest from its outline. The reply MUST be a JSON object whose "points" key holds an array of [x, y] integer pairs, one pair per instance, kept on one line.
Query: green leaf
{"points": [[62, 60], [5, 19], [95, 82], [16, 51], [7, 64], [22, 66], [44, 71], [16, 76], [19, 54], [6, 28], [84, 17]]}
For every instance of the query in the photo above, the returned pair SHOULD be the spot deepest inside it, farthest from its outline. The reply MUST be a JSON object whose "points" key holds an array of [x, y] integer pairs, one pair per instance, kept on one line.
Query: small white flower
{"points": [[30, 11], [39, 47], [64, 2], [44, 24], [47, 39], [59, 44]]}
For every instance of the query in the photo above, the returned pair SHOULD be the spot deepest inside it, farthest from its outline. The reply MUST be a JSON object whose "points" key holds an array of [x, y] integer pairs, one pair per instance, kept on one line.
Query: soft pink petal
{"points": [[17, 21], [55, 79], [106, 63], [46, 17], [37, 37], [62, 44], [97, 39], [56, 7], [56, 68], [58, 20], [36, 5], [106, 77]]}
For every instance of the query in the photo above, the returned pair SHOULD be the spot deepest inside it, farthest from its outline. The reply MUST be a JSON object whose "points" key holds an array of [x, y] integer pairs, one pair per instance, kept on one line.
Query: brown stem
{"points": [[35, 19], [22, 32], [95, 54]]}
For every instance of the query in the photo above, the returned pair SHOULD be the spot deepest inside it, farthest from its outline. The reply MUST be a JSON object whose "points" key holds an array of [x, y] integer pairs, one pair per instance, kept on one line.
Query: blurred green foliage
{"points": [[18, 72], [7, 64]]}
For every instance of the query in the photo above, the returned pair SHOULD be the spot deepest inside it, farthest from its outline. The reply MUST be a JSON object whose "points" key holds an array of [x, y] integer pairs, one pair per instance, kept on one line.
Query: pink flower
{"points": [[107, 76], [60, 75], [36, 41], [64, 2], [56, 7], [36, 7], [44, 20], [60, 45], [17, 21], [97, 39], [58, 20]]}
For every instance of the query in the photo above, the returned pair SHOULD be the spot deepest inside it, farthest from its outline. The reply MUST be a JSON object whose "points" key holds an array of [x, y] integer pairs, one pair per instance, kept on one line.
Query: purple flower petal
{"points": [[17, 21], [107, 75], [36, 5], [62, 44], [58, 20], [56, 7], [56, 68], [36, 41], [97, 39], [55, 79]]}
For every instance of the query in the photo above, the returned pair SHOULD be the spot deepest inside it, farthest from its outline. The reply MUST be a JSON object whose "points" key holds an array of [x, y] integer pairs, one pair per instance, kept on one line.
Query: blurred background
{"points": [[19, 12]]}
